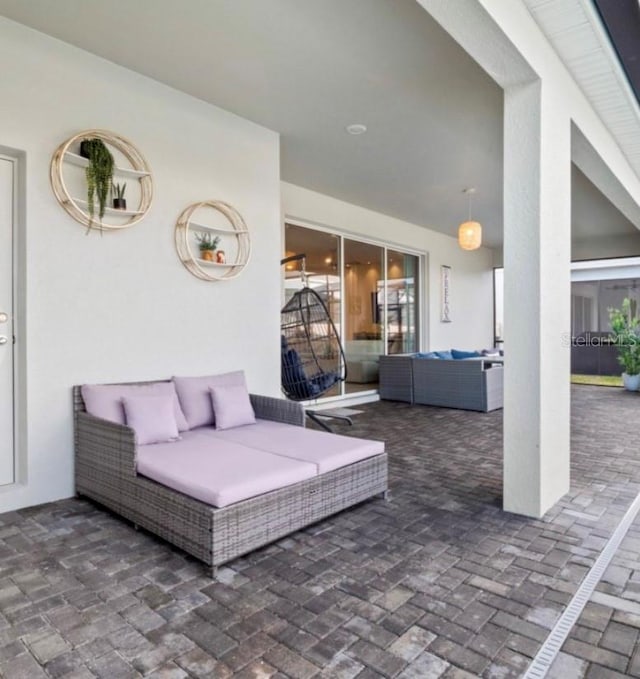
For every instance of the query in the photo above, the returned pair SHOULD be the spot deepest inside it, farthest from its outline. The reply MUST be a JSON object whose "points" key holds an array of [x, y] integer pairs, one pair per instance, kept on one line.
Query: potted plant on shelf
{"points": [[119, 201], [99, 174], [625, 325], [207, 243]]}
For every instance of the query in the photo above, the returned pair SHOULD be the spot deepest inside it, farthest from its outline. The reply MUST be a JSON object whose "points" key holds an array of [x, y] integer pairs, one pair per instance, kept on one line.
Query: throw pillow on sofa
{"points": [[105, 400], [195, 399], [232, 406], [152, 418], [445, 355], [457, 354]]}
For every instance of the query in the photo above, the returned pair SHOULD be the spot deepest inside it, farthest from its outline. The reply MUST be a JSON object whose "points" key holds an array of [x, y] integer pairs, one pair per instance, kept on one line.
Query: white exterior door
{"points": [[6, 322]]}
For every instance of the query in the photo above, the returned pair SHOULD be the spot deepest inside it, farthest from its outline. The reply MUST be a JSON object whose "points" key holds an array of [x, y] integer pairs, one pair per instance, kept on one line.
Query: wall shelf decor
{"points": [[234, 244], [130, 165]]}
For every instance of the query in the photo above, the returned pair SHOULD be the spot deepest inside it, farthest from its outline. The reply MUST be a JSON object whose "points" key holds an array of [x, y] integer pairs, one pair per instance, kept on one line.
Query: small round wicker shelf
{"points": [[77, 207], [236, 232]]}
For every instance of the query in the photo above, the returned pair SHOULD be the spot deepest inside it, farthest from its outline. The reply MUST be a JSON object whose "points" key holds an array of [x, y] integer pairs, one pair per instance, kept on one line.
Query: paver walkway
{"points": [[437, 582]]}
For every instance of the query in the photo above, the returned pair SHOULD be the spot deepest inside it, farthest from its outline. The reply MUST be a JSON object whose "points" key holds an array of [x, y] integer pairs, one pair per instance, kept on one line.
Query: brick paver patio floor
{"points": [[436, 582]]}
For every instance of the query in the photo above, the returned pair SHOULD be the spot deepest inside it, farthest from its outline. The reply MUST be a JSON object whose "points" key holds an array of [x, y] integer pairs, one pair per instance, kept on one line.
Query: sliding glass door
{"points": [[371, 291]]}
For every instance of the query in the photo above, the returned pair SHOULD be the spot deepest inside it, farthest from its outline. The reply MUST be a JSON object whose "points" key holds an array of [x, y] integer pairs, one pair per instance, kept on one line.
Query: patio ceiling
{"points": [[307, 70]]}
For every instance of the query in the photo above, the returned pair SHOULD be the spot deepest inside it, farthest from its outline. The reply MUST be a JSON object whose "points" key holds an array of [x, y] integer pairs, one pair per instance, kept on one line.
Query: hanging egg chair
{"points": [[312, 356]]}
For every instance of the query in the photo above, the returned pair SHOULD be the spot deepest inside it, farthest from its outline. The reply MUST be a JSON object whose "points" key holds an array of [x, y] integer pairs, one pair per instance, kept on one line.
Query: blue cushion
{"points": [[444, 354], [297, 384], [428, 354], [455, 353]]}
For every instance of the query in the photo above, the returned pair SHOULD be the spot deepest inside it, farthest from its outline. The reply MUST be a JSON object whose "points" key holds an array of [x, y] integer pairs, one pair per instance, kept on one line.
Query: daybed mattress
{"points": [[326, 451], [216, 471], [221, 467]]}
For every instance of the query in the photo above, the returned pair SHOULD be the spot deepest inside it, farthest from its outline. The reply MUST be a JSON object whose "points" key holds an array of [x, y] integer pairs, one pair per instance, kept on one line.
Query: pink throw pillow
{"points": [[105, 400], [195, 399], [232, 406], [153, 418]]}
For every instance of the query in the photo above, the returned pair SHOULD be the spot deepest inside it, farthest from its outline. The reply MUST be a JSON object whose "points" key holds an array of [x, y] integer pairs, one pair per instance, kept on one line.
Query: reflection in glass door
{"points": [[322, 260], [401, 302], [364, 319]]}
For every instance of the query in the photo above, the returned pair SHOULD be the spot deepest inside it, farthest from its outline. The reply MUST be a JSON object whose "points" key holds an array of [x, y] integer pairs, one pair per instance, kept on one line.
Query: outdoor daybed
{"points": [[221, 486]]}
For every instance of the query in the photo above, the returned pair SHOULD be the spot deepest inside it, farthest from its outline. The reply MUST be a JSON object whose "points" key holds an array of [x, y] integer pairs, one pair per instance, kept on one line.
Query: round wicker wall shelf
{"points": [[130, 166], [234, 248]]}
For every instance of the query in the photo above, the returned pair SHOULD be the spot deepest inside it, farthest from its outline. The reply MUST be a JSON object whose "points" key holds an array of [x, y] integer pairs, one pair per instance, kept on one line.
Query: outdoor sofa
{"points": [[216, 492], [467, 384]]}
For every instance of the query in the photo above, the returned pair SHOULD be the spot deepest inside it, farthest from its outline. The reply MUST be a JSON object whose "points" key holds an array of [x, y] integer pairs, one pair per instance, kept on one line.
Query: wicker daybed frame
{"points": [[105, 471]]}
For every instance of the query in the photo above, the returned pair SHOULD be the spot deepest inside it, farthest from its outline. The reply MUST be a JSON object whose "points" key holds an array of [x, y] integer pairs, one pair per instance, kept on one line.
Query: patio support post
{"points": [[537, 305]]}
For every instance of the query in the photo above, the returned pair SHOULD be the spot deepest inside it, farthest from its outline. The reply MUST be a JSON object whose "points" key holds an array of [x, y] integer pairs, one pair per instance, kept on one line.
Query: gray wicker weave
{"points": [[396, 378], [467, 385], [448, 383], [105, 455]]}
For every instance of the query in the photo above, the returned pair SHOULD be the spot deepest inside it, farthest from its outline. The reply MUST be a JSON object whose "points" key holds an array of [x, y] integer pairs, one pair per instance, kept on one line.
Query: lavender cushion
{"points": [[105, 400], [218, 472], [326, 451], [232, 406], [195, 399], [153, 418]]}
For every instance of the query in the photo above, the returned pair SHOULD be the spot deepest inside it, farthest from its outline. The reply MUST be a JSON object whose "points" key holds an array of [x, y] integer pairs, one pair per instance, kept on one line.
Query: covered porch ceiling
{"points": [[309, 70]]}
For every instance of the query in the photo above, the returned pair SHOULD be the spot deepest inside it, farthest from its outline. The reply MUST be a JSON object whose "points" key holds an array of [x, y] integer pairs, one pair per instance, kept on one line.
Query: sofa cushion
{"points": [[217, 471], [195, 398], [443, 354], [326, 451], [105, 400], [428, 354], [458, 354], [297, 384], [232, 406], [152, 418]]}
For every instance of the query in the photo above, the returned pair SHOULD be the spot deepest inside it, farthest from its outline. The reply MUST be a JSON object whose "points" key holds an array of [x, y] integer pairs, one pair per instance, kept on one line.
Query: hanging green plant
{"points": [[99, 175]]}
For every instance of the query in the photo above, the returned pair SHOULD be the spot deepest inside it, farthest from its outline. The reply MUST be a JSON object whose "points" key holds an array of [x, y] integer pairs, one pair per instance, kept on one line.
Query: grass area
{"points": [[598, 380]]}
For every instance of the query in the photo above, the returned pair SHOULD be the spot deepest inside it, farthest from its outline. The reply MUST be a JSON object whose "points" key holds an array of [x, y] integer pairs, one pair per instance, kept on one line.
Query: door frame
{"points": [[18, 299]]}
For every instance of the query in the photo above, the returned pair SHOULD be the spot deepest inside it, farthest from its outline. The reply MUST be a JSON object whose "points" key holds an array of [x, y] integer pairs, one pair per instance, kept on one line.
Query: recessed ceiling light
{"points": [[356, 128]]}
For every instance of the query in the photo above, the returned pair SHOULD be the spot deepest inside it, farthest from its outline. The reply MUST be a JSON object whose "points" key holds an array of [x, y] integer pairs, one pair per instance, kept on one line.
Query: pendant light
{"points": [[470, 232]]}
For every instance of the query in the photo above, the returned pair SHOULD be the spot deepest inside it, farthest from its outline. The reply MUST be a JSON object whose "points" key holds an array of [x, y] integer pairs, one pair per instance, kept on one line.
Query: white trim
{"points": [[605, 263], [577, 34], [13, 345], [605, 269], [357, 398]]}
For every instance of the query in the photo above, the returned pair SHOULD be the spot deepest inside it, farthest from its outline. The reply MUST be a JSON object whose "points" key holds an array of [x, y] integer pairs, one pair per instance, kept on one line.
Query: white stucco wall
{"points": [[471, 272], [608, 246], [121, 306]]}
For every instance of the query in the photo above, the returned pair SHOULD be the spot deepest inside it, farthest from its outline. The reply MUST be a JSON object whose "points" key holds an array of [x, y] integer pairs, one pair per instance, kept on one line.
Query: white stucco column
{"points": [[540, 100], [537, 298]]}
